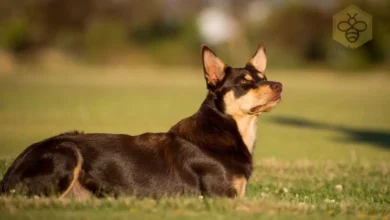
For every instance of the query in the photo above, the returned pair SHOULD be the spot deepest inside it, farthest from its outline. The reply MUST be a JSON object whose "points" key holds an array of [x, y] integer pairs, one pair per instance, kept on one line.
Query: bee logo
{"points": [[352, 28]]}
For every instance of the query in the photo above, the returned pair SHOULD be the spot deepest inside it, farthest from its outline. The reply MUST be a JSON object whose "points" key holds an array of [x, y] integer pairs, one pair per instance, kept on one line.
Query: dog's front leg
{"points": [[216, 186]]}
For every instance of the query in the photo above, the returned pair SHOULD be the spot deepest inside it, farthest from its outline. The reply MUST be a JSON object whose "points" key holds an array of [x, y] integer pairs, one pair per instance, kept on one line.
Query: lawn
{"points": [[324, 151]]}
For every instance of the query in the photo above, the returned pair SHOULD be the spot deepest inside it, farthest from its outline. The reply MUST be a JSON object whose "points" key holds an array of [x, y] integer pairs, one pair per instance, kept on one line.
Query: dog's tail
{"points": [[76, 170]]}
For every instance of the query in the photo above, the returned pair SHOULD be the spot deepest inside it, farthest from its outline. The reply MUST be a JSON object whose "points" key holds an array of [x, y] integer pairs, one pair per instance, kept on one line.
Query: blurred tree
{"points": [[303, 29], [299, 32]]}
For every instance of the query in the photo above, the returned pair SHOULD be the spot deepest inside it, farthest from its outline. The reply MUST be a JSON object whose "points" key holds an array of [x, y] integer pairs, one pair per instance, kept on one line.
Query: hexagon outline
{"points": [[368, 20]]}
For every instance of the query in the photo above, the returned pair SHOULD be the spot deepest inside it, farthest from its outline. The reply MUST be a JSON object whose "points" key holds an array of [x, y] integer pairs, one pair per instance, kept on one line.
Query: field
{"points": [[323, 152]]}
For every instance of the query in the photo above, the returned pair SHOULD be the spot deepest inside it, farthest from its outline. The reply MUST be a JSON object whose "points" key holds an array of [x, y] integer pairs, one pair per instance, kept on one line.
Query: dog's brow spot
{"points": [[261, 76], [248, 77]]}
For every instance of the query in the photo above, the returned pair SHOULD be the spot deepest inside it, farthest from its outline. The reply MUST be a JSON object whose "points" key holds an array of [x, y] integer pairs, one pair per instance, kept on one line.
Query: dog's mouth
{"points": [[267, 106], [277, 97]]}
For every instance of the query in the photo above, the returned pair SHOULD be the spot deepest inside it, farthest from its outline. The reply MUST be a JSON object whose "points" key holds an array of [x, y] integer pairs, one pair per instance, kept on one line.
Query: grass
{"points": [[323, 152]]}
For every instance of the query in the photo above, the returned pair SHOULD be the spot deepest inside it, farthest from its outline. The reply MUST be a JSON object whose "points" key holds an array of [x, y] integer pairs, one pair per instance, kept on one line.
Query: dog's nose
{"points": [[278, 87]]}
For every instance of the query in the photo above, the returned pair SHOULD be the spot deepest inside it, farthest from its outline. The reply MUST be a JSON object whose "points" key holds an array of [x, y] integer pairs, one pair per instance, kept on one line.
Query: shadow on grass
{"points": [[375, 137]]}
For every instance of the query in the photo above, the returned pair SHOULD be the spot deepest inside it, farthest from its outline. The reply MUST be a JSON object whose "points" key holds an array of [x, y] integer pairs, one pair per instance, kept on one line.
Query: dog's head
{"points": [[241, 91]]}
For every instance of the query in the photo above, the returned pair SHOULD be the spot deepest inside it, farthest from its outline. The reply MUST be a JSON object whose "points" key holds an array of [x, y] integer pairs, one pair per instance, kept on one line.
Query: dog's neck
{"points": [[218, 134], [247, 126], [227, 130]]}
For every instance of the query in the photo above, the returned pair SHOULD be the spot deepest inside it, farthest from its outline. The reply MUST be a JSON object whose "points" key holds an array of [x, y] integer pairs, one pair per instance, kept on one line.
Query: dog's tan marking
{"points": [[76, 173], [245, 110], [239, 183], [261, 76], [247, 124], [248, 77], [79, 192]]}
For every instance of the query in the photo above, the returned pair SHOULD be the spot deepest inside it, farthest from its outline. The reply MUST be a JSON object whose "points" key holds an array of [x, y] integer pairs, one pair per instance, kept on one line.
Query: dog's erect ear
{"points": [[214, 68], [259, 59]]}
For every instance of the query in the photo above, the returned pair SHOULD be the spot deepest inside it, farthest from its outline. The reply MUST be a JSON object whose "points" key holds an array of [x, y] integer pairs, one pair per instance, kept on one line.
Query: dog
{"points": [[206, 154]]}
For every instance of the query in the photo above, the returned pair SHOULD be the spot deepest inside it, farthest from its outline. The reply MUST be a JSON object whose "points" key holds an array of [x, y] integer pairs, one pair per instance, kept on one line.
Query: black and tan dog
{"points": [[208, 153]]}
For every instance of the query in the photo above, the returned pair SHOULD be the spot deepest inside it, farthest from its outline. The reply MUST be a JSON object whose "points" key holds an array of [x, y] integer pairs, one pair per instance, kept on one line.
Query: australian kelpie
{"points": [[208, 153]]}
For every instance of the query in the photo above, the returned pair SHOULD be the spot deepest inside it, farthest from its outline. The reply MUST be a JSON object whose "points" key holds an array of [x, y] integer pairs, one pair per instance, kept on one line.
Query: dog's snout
{"points": [[276, 86]]}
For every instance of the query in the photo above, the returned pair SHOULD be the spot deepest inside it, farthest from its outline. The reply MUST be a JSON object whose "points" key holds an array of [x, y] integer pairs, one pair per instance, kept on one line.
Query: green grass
{"points": [[329, 131]]}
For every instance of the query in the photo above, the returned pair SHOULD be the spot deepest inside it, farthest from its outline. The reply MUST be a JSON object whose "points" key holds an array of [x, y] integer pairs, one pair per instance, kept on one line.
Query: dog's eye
{"points": [[243, 81]]}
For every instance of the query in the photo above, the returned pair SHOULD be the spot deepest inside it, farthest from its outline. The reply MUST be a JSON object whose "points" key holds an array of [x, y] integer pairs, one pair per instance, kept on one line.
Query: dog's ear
{"points": [[213, 67], [259, 59]]}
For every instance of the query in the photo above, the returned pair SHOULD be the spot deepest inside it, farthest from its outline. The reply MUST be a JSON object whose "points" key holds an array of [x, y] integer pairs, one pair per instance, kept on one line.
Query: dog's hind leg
{"points": [[44, 170]]}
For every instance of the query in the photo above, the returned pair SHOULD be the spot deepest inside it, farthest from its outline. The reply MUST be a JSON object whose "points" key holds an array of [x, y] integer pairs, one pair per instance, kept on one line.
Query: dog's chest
{"points": [[247, 126]]}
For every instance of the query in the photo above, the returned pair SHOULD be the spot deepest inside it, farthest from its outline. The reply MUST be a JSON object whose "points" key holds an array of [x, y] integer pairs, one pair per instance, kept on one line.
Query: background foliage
{"points": [[166, 31]]}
